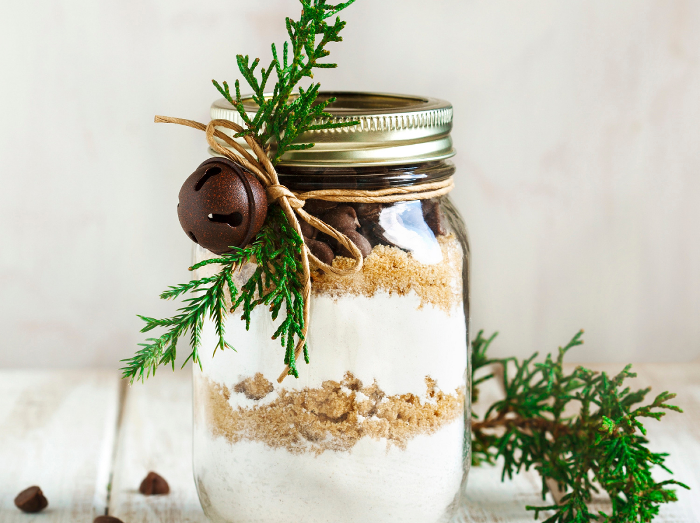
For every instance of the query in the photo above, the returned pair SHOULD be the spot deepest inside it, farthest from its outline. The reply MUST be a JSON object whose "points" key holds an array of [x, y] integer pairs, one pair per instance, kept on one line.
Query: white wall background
{"points": [[577, 127]]}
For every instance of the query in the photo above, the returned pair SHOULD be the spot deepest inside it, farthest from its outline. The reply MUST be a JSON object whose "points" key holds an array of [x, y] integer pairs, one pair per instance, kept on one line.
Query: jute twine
{"points": [[293, 202]]}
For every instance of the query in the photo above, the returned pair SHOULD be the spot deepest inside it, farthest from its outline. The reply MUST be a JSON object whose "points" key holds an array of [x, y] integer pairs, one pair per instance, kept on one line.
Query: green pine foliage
{"points": [[602, 446], [277, 283], [283, 115]]}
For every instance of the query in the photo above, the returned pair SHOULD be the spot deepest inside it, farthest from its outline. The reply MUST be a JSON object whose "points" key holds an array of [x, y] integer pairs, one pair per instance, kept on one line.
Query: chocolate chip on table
{"points": [[154, 484], [360, 241], [317, 207], [107, 519], [321, 250], [31, 500], [343, 218]]}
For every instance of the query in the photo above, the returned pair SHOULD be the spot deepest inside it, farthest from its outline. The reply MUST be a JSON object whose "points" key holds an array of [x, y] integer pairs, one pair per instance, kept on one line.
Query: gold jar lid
{"points": [[394, 129]]}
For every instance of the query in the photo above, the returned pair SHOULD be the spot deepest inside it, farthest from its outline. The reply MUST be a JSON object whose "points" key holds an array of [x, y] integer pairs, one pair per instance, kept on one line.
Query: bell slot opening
{"points": [[212, 171], [234, 219]]}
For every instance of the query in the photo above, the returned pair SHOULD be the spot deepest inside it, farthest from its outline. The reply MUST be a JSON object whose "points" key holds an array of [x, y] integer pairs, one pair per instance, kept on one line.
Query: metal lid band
{"points": [[392, 130]]}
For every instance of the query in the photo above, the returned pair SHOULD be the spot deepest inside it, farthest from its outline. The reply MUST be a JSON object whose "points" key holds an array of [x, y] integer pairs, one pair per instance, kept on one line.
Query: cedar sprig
{"points": [[277, 280], [283, 115], [601, 447], [276, 283]]}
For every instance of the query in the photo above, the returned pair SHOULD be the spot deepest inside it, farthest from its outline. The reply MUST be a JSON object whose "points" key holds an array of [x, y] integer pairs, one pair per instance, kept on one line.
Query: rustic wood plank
{"points": [[57, 431], [156, 434], [489, 499]]}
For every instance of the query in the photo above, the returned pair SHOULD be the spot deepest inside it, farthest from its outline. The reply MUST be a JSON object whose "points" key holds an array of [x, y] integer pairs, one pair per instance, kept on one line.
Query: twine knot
{"points": [[277, 191]]}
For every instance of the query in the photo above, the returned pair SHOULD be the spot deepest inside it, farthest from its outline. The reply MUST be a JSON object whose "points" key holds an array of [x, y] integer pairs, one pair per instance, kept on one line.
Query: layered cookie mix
{"points": [[377, 415]]}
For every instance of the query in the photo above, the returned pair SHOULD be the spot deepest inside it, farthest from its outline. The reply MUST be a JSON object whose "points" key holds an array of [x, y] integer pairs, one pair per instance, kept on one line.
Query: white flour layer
{"points": [[387, 338], [251, 483]]}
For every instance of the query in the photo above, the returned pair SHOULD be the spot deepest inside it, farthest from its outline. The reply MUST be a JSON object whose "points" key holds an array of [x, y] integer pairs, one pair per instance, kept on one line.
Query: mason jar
{"points": [[376, 426]]}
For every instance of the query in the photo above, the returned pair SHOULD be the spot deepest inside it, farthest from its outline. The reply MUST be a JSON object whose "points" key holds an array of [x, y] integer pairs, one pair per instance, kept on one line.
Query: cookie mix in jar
{"points": [[376, 425]]}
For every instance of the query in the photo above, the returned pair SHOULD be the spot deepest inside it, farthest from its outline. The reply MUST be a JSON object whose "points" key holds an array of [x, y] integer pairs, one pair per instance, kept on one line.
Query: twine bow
{"points": [[292, 203]]}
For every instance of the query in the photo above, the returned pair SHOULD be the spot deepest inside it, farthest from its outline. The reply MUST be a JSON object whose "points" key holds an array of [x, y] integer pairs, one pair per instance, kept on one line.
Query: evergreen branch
{"points": [[275, 250], [283, 116], [178, 290], [602, 447], [277, 281]]}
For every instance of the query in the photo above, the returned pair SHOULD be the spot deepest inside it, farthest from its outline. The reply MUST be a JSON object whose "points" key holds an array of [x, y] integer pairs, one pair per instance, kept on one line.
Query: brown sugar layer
{"points": [[332, 417], [395, 271], [255, 388], [387, 269]]}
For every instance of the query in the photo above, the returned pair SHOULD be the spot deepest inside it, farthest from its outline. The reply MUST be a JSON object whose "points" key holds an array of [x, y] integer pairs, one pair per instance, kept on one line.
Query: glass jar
{"points": [[376, 427]]}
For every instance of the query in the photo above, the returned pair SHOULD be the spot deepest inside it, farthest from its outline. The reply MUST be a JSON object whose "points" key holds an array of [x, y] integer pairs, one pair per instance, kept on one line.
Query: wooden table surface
{"points": [[88, 440]]}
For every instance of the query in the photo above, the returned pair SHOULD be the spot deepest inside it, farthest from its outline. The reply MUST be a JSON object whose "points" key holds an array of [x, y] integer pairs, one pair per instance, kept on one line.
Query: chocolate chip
{"points": [[31, 500], [433, 216], [380, 235], [368, 232], [153, 484], [368, 212], [322, 237], [321, 250], [107, 519], [343, 218], [360, 241], [318, 207], [307, 230]]}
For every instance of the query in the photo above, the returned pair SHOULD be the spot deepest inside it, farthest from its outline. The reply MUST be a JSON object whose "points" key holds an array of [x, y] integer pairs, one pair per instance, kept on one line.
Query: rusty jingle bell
{"points": [[222, 205]]}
